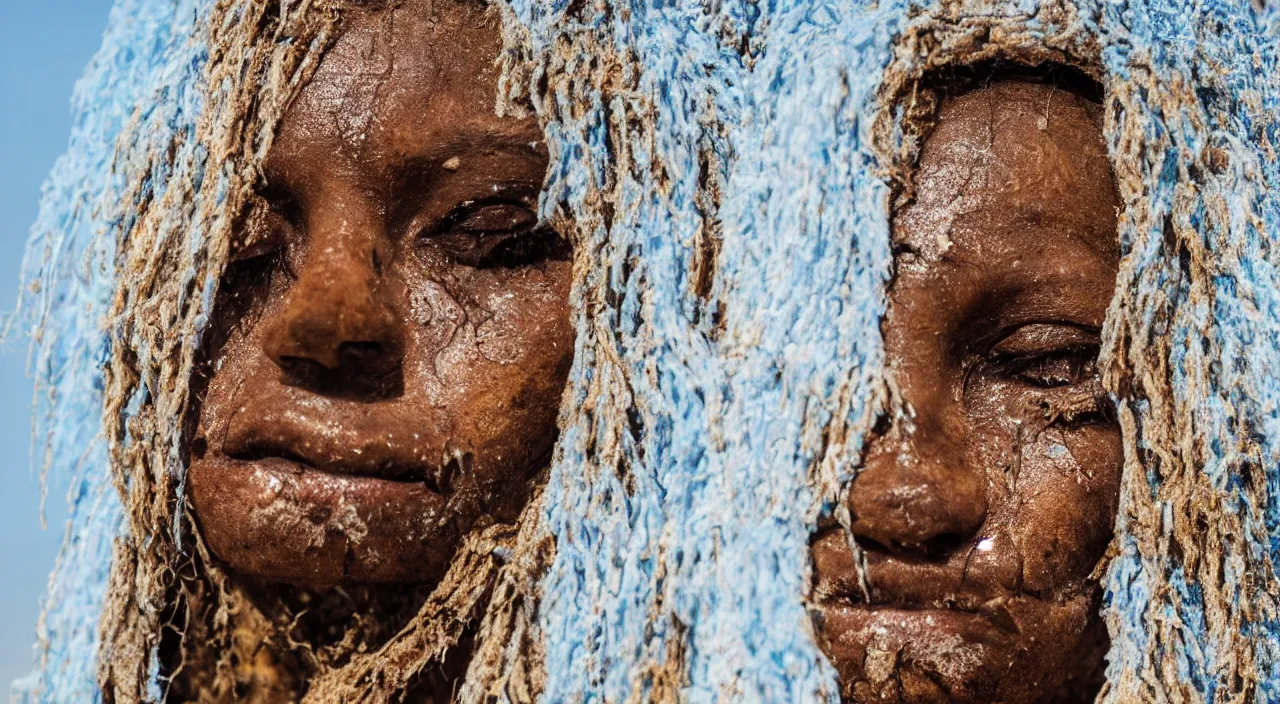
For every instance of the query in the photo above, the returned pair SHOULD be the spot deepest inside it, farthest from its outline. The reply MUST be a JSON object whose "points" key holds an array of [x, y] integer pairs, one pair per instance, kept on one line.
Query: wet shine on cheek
{"points": [[1053, 478]]}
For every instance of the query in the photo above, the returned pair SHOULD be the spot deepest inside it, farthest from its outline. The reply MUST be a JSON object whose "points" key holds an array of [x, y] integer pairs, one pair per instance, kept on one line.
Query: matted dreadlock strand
{"points": [[389, 673], [172, 248], [1193, 137]]}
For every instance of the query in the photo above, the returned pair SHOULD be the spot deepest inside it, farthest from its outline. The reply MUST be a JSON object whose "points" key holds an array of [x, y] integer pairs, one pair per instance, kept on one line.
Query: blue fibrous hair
{"points": [[726, 171], [69, 276], [170, 124]]}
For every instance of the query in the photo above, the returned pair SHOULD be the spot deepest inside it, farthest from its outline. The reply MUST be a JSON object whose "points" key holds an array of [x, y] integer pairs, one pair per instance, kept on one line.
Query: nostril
{"points": [[199, 446], [941, 546], [300, 371], [870, 544], [373, 356], [365, 370]]}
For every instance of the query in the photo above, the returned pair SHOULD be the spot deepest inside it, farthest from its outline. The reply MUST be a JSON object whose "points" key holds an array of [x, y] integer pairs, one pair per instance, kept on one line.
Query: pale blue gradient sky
{"points": [[44, 47]]}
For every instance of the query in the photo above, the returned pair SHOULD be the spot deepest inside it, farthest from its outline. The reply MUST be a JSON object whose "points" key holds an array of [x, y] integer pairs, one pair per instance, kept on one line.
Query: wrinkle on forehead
{"points": [[351, 95], [1010, 160], [349, 92], [397, 77]]}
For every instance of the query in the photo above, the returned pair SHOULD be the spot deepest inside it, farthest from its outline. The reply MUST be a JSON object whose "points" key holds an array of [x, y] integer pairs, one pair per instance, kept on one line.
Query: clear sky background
{"points": [[44, 47]]}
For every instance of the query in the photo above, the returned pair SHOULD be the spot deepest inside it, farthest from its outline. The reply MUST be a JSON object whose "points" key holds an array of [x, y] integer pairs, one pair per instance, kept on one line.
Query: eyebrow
{"points": [[519, 144], [1035, 216]]}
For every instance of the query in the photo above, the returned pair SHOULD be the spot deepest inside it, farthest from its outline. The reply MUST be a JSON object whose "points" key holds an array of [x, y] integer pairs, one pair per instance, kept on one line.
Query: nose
{"points": [[917, 494], [338, 332]]}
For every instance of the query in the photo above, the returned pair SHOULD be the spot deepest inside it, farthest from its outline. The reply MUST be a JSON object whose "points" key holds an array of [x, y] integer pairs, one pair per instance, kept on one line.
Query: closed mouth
{"points": [[995, 610], [296, 442], [274, 514], [927, 587], [438, 480]]}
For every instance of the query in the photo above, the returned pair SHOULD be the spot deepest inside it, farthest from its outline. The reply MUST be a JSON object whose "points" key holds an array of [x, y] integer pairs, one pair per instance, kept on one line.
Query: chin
{"points": [[1012, 650]]}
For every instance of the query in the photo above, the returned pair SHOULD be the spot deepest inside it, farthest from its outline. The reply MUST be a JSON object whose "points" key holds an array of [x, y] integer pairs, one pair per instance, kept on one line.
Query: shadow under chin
{"points": [[287, 633]]}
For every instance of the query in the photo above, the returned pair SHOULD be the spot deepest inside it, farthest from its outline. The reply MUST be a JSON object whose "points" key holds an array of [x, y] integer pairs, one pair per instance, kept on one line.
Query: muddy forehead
{"points": [[400, 78], [1013, 164]]}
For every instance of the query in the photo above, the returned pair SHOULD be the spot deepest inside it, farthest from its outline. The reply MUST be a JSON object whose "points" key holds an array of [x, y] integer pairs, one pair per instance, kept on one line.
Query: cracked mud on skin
{"points": [[392, 337], [988, 496]]}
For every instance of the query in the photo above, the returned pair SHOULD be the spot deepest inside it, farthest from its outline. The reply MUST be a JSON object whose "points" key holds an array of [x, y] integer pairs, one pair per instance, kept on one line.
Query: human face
{"points": [[392, 337], [986, 502]]}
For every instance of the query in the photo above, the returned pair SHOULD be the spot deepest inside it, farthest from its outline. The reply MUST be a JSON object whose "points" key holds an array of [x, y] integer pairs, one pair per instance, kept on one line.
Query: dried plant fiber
{"points": [[725, 169]]}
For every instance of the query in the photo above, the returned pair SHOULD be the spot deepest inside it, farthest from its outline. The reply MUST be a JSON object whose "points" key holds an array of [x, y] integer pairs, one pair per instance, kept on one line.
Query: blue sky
{"points": [[44, 46]]}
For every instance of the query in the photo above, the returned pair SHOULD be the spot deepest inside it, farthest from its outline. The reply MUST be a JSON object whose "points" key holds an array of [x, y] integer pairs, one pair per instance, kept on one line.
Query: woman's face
{"points": [[988, 500], [391, 341]]}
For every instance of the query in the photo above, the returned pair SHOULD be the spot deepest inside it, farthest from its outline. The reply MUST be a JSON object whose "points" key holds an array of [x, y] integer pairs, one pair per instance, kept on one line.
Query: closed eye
{"points": [[1047, 355], [494, 219], [1065, 367], [495, 233]]}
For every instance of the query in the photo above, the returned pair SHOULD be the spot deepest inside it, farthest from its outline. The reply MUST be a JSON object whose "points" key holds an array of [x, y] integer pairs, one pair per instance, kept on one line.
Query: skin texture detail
{"points": [[392, 338], [1191, 100], [988, 498]]}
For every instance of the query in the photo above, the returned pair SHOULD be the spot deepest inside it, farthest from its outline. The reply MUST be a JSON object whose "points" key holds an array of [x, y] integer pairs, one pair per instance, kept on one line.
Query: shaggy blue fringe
{"points": [[688, 569], [149, 63], [695, 553], [1227, 52]]}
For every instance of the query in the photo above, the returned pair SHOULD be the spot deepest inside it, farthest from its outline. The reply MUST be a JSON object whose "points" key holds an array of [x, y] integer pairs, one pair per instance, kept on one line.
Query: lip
{"points": [[994, 613], [281, 520], [862, 623], [356, 444], [921, 592]]}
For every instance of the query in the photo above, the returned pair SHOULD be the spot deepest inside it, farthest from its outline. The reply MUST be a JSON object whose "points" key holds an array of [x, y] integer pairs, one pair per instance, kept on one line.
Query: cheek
{"points": [[236, 349], [1066, 501], [523, 320], [493, 348], [513, 319]]}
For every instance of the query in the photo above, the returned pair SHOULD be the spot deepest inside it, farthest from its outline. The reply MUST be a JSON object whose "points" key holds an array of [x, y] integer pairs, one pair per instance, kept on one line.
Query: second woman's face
{"points": [[392, 337], [988, 499]]}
